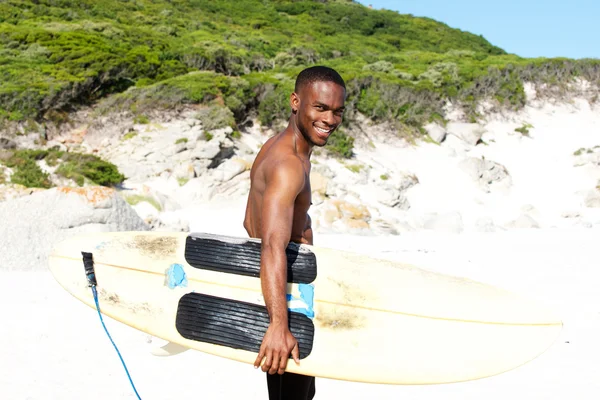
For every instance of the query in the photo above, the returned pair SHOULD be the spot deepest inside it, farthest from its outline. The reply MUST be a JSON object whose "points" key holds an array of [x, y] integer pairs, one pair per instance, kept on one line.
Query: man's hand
{"points": [[276, 347]]}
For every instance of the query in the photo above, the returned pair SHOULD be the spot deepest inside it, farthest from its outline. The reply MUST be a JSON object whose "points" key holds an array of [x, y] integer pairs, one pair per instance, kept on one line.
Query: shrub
{"points": [[215, 116], [73, 166], [78, 166], [340, 144], [26, 171]]}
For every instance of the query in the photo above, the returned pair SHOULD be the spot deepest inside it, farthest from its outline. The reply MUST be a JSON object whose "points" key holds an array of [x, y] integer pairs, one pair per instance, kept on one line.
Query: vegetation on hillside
{"points": [[75, 166], [240, 58]]}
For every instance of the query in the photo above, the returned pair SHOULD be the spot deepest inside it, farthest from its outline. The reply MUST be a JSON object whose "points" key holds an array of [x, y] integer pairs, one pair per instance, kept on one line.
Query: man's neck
{"points": [[302, 147]]}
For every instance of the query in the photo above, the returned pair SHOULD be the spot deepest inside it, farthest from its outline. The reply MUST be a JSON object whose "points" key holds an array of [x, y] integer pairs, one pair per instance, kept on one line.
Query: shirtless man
{"points": [[277, 212]]}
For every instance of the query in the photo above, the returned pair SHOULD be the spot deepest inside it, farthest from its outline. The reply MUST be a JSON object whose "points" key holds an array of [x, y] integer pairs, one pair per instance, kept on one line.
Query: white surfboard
{"points": [[357, 318]]}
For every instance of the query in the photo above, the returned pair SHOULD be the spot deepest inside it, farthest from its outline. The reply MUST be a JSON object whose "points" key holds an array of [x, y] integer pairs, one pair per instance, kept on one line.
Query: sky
{"points": [[528, 28]]}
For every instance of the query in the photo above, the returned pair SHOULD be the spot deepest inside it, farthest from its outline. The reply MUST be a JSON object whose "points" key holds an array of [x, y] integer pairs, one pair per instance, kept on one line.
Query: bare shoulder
{"points": [[285, 170]]}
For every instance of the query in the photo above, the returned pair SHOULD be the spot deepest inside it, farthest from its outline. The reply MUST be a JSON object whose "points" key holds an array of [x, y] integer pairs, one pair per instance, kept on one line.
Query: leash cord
{"points": [[95, 292]]}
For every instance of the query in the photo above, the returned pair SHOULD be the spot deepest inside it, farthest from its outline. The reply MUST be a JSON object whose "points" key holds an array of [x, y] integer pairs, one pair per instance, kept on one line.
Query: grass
{"points": [[524, 129], [356, 168], [129, 135], [181, 140], [134, 199]]}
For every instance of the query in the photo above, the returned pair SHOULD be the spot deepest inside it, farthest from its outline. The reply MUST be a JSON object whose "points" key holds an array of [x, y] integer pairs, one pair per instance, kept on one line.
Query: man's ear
{"points": [[294, 102]]}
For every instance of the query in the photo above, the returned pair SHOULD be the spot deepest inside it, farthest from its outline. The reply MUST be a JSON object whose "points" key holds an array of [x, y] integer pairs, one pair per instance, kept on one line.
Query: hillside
{"points": [[56, 55]]}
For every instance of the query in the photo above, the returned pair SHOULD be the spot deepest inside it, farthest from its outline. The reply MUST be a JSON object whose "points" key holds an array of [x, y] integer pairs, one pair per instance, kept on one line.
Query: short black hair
{"points": [[318, 73]]}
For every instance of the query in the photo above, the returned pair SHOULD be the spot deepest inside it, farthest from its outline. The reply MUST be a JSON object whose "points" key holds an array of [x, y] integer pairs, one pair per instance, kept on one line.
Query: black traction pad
{"points": [[242, 257], [235, 324]]}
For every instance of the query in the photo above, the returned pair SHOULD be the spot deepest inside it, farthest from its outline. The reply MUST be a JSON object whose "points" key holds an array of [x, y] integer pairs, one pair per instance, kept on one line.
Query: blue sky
{"points": [[528, 28]]}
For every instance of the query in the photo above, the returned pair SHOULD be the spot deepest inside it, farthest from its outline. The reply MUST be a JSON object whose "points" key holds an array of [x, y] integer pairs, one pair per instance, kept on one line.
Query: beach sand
{"points": [[54, 347]]}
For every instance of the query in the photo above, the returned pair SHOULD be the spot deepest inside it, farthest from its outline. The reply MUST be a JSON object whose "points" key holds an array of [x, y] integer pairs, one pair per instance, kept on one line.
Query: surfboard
{"points": [[356, 318]]}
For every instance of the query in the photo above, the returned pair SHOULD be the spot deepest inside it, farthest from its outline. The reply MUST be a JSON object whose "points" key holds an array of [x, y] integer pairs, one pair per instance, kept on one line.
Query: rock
{"points": [[32, 225], [7, 144], [5, 154], [435, 132], [318, 183], [168, 223], [524, 221], [200, 167], [449, 222], [391, 191], [588, 156], [53, 144], [341, 216], [230, 168], [206, 150], [242, 148], [390, 197], [352, 211], [469, 133], [145, 210], [485, 173], [390, 227], [234, 188], [485, 224], [197, 190], [184, 170], [592, 199]]}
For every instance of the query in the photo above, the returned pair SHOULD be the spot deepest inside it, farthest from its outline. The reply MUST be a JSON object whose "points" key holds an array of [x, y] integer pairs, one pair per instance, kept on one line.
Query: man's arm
{"points": [[283, 184]]}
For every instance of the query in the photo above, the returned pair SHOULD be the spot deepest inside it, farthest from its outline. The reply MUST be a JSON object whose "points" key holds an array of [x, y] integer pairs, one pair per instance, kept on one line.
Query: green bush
{"points": [[215, 117], [79, 166], [70, 165], [26, 171], [340, 144]]}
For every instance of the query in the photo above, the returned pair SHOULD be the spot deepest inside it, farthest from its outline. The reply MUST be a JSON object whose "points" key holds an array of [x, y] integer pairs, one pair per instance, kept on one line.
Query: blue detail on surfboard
{"points": [[176, 276], [307, 294]]}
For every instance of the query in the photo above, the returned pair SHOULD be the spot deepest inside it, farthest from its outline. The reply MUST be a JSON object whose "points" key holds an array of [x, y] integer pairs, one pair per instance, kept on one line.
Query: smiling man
{"points": [[277, 212]]}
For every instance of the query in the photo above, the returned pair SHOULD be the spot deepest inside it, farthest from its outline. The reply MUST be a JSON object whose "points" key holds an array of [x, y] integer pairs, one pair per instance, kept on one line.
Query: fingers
{"points": [[274, 365], [259, 358], [296, 353], [282, 363], [268, 361]]}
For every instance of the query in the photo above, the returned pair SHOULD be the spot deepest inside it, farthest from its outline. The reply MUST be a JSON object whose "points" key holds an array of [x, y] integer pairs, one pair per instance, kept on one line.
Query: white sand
{"points": [[53, 347]]}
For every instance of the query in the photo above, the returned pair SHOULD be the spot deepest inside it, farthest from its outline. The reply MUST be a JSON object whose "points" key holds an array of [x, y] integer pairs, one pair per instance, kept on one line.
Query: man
{"points": [[277, 212]]}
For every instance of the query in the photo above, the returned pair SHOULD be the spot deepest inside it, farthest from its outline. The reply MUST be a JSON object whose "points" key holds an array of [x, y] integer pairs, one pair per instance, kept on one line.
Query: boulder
{"points": [[435, 132], [485, 173], [206, 150], [592, 199], [7, 144], [524, 221], [469, 133], [32, 225], [342, 216], [318, 183], [231, 168], [485, 224]]}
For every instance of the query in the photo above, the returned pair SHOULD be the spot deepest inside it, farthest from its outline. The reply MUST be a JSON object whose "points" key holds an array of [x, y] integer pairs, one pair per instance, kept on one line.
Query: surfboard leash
{"points": [[88, 264]]}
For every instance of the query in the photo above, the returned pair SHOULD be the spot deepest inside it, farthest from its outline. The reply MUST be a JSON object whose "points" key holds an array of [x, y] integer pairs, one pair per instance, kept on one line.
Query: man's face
{"points": [[319, 108]]}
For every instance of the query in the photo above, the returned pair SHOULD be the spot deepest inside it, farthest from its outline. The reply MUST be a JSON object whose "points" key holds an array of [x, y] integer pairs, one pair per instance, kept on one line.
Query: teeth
{"points": [[322, 130]]}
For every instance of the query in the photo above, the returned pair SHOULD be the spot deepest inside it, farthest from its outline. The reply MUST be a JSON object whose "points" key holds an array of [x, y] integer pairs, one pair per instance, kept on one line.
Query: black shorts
{"points": [[290, 386]]}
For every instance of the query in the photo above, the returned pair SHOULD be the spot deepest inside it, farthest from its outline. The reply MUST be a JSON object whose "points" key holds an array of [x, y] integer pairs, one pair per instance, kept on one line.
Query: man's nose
{"points": [[329, 118]]}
